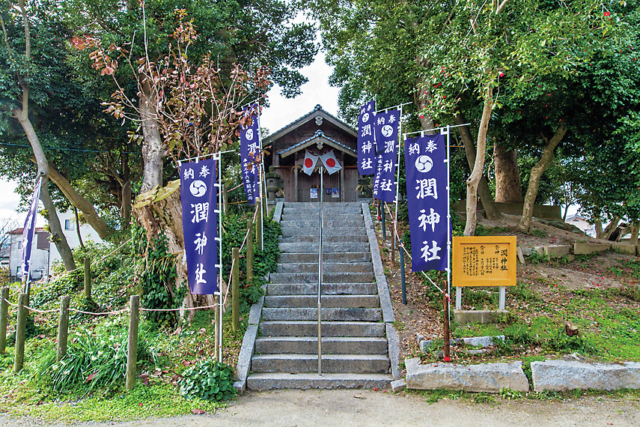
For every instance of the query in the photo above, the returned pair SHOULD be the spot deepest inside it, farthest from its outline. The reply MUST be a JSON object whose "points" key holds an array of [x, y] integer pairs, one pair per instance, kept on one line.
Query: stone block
{"points": [[560, 375], [590, 248], [478, 316], [624, 248], [557, 251], [481, 341], [398, 385], [487, 378]]}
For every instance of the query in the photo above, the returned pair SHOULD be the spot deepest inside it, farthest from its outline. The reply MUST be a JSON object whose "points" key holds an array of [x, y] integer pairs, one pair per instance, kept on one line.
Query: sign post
{"points": [[484, 261]]}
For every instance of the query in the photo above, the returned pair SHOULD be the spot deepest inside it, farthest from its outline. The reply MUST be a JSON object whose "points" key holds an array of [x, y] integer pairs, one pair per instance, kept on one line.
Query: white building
{"points": [[39, 254], [43, 253], [68, 224]]}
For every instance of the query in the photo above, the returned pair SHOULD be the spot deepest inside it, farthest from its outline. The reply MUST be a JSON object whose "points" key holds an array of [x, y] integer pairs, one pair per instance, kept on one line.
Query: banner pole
{"points": [[395, 219], [36, 198], [220, 298], [448, 224], [320, 273]]}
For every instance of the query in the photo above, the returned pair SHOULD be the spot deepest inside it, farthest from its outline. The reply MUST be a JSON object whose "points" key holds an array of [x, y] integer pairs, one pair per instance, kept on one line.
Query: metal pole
{"points": [[404, 285], [221, 272], [447, 339], [448, 226], [395, 219], [384, 226], [502, 297], [320, 273]]}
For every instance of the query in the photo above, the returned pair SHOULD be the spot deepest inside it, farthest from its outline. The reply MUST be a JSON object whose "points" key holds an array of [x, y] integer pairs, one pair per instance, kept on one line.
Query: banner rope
{"points": [[401, 245]]}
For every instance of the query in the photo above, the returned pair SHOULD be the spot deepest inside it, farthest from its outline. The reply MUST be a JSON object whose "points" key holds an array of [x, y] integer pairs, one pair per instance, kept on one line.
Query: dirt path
{"points": [[368, 408]]}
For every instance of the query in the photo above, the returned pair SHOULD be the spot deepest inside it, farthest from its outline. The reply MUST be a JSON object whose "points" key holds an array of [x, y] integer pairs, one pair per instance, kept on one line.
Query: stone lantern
{"points": [[274, 184]]}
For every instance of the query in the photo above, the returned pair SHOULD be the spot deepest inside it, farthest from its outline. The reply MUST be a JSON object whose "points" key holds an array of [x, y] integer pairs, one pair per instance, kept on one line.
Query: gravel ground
{"points": [[364, 407]]}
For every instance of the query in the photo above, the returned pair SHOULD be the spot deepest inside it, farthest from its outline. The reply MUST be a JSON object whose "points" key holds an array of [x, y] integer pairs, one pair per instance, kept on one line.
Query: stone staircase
{"points": [[354, 344]]}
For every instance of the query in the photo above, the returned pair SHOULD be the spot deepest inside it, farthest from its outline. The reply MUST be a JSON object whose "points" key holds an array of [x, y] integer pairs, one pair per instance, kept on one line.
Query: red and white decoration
{"points": [[330, 162], [309, 163]]}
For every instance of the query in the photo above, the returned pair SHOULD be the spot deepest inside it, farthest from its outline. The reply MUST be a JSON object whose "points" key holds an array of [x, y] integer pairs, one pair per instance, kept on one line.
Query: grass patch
{"points": [[156, 401]]}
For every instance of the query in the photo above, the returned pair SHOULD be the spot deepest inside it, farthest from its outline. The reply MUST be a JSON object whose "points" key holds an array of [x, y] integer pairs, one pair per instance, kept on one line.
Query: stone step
{"points": [[328, 205], [329, 329], [328, 301], [327, 267], [328, 314], [330, 345], [312, 257], [328, 223], [278, 381], [332, 238], [315, 216], [327, 289], [335, 363], [326, 248], [327, 277]]}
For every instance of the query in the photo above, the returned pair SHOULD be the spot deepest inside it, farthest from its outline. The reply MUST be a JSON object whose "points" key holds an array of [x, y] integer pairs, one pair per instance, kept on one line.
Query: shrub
{"points": [[208, 380], [94, 359]]}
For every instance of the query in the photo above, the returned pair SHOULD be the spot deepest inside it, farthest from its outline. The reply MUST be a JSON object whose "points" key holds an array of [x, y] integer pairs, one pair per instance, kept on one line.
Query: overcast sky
{"points": [[281, 112]]}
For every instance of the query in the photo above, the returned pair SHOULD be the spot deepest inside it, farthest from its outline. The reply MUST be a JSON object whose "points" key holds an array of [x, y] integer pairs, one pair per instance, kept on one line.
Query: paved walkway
{"points": [[346, 408]]}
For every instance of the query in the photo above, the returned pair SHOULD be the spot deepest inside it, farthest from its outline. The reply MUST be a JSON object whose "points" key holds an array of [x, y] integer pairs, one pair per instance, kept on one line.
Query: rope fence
{"points": [[401, 245], [22, 307]]}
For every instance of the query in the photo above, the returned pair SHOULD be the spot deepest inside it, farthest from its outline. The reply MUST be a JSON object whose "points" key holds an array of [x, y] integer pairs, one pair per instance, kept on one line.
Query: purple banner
{"points": [[199, 224], [249, 151], [427, 196], [28, 232], [386, 134], [366, 150]]}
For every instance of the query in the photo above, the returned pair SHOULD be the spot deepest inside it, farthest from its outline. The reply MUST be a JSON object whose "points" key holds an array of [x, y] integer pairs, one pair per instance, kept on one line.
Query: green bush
{"points": [[94, 359], [208, 380]]}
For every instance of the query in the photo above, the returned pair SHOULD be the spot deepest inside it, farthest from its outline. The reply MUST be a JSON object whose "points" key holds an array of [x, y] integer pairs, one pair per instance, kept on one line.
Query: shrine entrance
{"points": [[317, 132]]}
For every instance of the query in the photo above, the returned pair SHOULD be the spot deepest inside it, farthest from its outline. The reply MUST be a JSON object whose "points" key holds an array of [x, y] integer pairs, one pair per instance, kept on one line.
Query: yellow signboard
{"points": [[484, 261]]}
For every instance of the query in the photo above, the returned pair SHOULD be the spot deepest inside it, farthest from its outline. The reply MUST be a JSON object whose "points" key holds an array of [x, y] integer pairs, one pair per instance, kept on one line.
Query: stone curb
{"points": [[378, 269], [393, 341], [560, 375], [489, 378], [249, 340]]}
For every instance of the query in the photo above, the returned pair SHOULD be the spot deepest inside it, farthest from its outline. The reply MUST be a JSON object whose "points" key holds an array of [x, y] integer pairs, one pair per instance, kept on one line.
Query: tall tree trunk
{"points": [[508, 187], [490, 209], [598, 227], [634, 234], [609, 229], [22, 115], [90, 214], [56, 235], [478, 165], [160, 211], [152, 150], [534, 180], [426, 122]]}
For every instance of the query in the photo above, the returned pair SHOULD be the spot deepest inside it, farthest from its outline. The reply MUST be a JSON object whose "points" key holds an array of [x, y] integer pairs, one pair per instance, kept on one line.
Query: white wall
{"points": [[87, 232]]}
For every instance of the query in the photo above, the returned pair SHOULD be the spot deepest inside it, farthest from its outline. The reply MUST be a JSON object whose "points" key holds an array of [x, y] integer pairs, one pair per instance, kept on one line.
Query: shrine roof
{"points": [[318, 137], [317, 111]]}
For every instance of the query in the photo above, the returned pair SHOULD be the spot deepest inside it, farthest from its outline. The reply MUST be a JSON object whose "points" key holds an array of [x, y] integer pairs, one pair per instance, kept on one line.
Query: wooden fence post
{"points": [[259, 225], [20, 333], [132, 349], [63, 327], [235, 289], [250, 252], [4, 318], [87, 277]]}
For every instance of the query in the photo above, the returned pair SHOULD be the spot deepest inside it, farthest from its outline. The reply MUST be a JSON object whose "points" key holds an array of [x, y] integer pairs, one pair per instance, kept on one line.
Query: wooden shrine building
{"points": [[317, 132]]}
